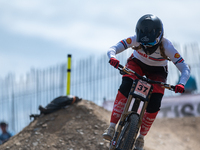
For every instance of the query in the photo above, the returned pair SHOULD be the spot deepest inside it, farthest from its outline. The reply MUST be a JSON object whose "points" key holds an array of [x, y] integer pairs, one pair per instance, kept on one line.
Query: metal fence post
{"points": [[68, 73]]}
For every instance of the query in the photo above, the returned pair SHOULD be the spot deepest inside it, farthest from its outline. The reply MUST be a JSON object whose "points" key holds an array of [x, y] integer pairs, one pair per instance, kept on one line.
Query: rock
{"points": [[17, 143], [96, 126], [35, 143], [44, 125], [101, 143]]}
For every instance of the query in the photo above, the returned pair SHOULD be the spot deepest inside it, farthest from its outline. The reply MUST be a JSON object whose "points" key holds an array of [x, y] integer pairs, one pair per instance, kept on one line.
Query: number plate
{"points": [[142, 88]]}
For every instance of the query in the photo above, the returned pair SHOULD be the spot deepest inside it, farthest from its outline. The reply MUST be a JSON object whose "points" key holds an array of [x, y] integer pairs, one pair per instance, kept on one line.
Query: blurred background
{"points": [[36, 37]]}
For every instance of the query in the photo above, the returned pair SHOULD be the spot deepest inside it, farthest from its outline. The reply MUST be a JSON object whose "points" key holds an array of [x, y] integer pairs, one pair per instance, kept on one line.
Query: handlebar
{"points": [[124, 70]]}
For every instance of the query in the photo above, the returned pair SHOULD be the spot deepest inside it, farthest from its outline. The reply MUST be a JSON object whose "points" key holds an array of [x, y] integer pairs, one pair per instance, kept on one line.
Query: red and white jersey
{"points": [[154, 59]]}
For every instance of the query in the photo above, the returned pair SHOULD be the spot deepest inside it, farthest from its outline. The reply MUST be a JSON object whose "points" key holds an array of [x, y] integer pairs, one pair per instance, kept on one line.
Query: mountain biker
{"points": [[151, 54]]}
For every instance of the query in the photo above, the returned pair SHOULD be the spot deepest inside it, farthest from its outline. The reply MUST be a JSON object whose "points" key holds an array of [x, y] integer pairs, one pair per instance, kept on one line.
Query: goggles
{"points": [[151, 44]]}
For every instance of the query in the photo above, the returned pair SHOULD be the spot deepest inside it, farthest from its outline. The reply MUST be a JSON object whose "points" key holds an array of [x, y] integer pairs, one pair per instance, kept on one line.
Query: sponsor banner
{"points": [[180, 106], [172, 107]]}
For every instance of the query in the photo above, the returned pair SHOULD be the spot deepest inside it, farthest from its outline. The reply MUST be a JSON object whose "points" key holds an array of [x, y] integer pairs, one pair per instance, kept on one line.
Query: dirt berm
{"points": [[80, 127]]}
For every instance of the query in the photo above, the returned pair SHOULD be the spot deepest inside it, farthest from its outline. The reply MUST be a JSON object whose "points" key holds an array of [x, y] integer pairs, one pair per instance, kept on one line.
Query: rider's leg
{"points": [[118, 107], [121, 99], [147, 121], [151, 113]]}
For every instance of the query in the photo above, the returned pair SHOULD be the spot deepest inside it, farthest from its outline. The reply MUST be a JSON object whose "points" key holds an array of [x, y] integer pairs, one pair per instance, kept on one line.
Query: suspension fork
{"points": [[135, 108]]}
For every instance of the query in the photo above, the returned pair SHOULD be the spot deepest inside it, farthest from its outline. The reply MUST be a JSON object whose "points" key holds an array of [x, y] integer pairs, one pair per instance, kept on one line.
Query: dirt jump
{"points": [[80, 127]]}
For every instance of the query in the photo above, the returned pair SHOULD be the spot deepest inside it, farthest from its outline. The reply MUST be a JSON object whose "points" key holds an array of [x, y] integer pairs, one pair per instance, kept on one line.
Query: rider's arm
{"points": [[185, 72], [121, 46], [178, 61], [112, 51]]}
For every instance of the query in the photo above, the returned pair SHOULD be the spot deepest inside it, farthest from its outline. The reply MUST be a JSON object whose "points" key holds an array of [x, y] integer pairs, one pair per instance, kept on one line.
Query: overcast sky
{"points": [[40, 33]]}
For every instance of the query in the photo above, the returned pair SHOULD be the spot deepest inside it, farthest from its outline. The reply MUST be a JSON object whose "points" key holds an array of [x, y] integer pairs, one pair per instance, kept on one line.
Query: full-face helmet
{"points": [[149, 32]]}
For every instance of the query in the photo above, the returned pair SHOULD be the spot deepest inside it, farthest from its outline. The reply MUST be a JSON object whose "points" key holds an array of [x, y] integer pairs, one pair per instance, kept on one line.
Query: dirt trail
{"points": [[80, 127]]}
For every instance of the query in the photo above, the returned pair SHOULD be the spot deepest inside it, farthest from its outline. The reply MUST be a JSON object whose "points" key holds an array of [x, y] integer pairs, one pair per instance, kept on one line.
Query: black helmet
{"points": [[149, 32]]}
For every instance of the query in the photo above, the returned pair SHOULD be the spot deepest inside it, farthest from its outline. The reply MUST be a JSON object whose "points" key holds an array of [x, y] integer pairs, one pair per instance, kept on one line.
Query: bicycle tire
{"points": [[129, 130]]}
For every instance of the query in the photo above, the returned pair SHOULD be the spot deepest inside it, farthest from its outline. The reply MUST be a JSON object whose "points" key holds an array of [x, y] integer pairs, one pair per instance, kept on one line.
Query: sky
{"points": [[40, 33]]}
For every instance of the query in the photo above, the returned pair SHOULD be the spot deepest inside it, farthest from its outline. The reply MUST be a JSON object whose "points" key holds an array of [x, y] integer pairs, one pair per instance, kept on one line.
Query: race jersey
{"points": [[154, 59]]}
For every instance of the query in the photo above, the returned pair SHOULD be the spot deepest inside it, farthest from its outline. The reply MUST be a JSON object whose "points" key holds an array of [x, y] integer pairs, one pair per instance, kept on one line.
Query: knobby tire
{"points": [[128, 132]]}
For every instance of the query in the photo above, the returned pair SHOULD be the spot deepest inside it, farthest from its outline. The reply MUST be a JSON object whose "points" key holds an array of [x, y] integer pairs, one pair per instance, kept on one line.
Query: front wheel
{"points": [[128, 134]]}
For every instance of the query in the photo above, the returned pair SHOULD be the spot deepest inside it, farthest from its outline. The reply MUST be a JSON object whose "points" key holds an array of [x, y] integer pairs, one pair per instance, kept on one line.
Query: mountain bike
{"points": [[130, 121]]}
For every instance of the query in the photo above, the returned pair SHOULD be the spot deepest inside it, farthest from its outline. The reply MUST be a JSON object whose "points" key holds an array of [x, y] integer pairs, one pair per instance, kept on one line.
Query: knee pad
{"points": [[125, 86], [154, 103]]}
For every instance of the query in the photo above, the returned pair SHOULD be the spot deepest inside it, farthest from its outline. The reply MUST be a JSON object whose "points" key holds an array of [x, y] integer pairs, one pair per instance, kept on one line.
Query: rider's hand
{"points": [[114, 62], [179, 88]]}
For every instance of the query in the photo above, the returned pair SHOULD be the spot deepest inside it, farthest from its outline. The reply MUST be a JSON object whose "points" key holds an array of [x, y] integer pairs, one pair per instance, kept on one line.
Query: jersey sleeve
{"points": [[178, 61], [121, 46]]}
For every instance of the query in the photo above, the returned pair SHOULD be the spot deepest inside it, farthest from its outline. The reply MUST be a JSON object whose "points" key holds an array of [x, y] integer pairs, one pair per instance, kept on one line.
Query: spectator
{"points": [[5, 134]]}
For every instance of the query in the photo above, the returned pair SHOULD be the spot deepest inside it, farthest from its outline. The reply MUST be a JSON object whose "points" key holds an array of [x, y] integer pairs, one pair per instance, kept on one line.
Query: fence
{"points": [[92, 79]]}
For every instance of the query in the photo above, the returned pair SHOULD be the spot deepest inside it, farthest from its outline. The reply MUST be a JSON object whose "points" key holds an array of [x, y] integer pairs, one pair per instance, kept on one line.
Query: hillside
{"points": [[80, 127]]}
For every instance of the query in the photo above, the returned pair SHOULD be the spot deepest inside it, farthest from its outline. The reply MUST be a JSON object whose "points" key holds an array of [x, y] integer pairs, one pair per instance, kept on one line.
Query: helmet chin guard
{"points": [[149, 50]]}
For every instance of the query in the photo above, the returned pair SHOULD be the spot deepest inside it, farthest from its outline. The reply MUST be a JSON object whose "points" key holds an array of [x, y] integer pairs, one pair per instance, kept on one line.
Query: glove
{"points": [[114, 62], [179, 88]]}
